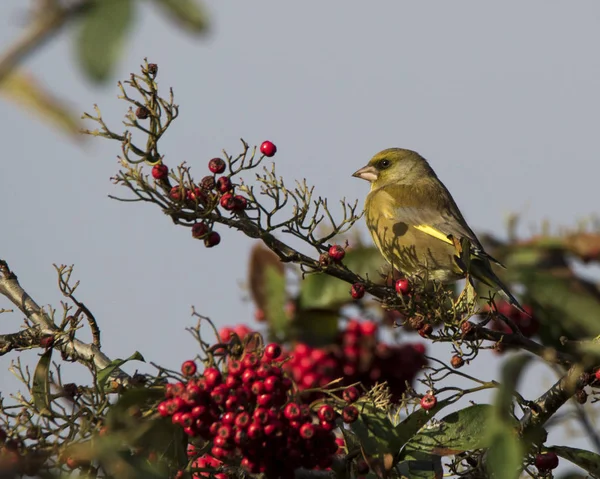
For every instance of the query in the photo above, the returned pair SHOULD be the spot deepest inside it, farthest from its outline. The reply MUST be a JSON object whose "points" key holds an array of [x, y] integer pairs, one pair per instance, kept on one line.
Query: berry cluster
{"points": [[212, 190], [252, 417], [357, 356]]}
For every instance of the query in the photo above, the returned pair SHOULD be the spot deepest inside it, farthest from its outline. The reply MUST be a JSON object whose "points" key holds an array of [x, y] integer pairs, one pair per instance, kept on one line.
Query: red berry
{"points": [[200, 230], [349, 414], [224, 184], [597, 374], [268, 149], [160, 171], [177, 193], [428, 401], [212, 376], [257, 388], [358, 290], [402, 286], [163, 409], [219, 394], [242, 420], [291, 411], [235, 368], [227, 202], [265, 400], [326, 413], [350, 394], [188, 368], [228, 418], [216, 165], [272, 384], [368, 328], [307, 431], [240, 203], [248, 376], [255, 431], [213, 239], [195, 194], [225, 431], [546, 461], [272, 351], [337, 253]]}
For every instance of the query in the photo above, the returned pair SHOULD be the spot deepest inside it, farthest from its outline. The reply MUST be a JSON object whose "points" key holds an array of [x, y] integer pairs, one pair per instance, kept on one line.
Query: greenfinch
{"points": [[417, 226]]}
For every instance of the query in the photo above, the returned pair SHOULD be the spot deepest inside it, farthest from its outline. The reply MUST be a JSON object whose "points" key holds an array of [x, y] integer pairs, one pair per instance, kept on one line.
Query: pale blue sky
{"points": [[501, 98]]}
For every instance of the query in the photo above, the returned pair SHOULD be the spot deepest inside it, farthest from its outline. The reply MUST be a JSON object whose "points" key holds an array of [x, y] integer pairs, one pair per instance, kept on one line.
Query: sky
{"points": [[501, 98]]}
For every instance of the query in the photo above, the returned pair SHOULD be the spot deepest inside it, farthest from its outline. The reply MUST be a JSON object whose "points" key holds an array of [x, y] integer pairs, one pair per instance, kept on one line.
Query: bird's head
{"points": [[394, 166]]}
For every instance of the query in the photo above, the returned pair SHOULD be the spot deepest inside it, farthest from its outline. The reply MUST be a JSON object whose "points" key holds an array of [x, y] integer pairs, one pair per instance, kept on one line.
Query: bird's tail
{"points": [[482, 270]]}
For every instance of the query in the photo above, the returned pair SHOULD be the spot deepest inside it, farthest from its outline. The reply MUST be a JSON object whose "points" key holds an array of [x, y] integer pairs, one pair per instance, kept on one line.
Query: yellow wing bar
{"points": [[431, 231]]}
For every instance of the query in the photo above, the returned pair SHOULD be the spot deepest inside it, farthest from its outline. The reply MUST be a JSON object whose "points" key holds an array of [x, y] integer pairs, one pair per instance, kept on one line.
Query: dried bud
{"points": [[152, 69], [581, 396], [586, 379], [142, 113], [33, 432], [467, 327], [416, 322], [70, 389], [325, 260], [47, 341], [425, 330], [138, 380], [207, 183], [457, 361]]}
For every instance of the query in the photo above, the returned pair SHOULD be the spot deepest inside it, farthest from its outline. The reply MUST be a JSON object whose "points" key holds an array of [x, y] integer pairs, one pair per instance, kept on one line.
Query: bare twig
{"points": [[73, 348]]}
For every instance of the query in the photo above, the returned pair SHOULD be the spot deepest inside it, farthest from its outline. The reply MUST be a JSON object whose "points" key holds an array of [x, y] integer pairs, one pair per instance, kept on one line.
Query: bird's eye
{"points": [[383, 164]]}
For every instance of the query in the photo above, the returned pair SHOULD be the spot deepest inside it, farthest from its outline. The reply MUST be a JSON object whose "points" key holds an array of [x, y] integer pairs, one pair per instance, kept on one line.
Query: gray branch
{"points": [[72, 348]]}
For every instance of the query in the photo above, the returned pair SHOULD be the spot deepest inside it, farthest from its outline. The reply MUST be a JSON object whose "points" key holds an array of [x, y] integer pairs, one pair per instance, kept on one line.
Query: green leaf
{"points": [[420, 465], [413, 423], [188, 14], [24, 90], [40, 389], [505, 456], [589, 461], [458, 432], [119, 416], [167, 440], [323, 291], [105, 374], [103, 32], [377, 433], [511, 373]]}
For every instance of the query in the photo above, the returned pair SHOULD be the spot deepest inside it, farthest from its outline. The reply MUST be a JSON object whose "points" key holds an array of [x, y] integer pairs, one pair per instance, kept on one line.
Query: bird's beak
{"points": [[368, 173]]}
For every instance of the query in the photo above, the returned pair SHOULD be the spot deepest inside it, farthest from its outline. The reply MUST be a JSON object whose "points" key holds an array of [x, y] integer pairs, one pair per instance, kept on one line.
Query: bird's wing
{"points": [[432, 211]]}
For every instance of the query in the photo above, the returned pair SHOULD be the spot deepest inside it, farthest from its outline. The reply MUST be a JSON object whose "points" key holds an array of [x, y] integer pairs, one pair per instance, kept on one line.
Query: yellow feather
{"points": [[431, 231]]}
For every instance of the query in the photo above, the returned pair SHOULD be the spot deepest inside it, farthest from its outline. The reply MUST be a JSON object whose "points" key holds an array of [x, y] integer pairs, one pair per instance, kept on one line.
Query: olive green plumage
{"points": [[414, 221]]}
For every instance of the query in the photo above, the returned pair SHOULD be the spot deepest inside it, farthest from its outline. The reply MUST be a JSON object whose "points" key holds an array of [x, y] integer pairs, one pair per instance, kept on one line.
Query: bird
{"points": [[417, 226]]}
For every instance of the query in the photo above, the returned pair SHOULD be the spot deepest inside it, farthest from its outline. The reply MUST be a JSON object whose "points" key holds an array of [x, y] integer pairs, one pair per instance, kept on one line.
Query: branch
{"points": [[48, 20], [552, 400], [26, 339], [72, 348]]}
